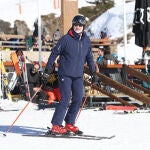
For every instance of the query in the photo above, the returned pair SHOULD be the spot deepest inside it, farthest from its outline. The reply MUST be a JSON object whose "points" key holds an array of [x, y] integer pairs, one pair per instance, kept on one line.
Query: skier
{"points": [[74, 50]]}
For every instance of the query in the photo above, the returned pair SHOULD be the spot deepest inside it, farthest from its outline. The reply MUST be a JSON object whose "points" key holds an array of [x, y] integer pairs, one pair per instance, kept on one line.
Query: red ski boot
{"points": [[58, 130], [73, 129]]}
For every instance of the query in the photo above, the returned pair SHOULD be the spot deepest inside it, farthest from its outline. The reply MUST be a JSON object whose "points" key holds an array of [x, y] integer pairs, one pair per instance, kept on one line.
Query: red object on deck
{"points": [[112, 107]]}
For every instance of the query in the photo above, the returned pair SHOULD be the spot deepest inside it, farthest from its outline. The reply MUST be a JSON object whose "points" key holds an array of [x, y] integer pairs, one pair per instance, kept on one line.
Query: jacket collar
{"points": [[73, 34]]}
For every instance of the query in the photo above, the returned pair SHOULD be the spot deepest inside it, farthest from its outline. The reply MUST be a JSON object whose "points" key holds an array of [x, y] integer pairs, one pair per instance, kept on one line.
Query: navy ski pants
{"points": [[71, 90]]}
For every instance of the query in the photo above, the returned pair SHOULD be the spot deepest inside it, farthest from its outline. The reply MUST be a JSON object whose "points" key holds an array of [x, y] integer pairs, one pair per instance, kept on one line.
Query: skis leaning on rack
{"points": [[21, 70], [4, 78], [69, 135]]}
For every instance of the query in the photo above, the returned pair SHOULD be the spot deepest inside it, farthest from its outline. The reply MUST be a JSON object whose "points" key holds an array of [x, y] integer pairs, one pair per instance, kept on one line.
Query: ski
{"points": [[13, 78], [2, 133], [7, 110], [95, 136], [15, 61], [25, 76], [71, 136], [5, 79]]}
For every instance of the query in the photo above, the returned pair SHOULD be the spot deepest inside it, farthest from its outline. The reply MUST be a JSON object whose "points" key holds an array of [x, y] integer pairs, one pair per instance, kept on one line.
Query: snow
{"points": [[112, 21], [131, 130]]}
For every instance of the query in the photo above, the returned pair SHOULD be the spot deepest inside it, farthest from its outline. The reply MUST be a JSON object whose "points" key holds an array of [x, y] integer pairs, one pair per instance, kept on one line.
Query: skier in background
{"points": [[52, 87], [34, 81]]}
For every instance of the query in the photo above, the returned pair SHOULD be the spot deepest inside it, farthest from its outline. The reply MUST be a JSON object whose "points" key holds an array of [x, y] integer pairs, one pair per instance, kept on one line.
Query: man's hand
{"points": [[44, 78]]}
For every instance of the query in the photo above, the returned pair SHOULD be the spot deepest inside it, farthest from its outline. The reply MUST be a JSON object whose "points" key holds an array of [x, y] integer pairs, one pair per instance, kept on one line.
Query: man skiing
{"points": [[74, 50]]}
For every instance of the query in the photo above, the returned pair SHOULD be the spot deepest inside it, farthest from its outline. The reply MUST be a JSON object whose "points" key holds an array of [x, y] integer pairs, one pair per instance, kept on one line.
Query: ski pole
{"points": [[11, 126], [81, 107]]}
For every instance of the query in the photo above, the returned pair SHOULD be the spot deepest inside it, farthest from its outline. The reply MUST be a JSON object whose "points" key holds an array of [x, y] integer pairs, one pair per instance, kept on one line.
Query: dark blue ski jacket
{"points": [[73, 53]]}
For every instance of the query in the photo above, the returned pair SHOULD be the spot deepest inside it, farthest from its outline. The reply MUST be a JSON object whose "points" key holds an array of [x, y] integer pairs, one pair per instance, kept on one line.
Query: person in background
{"points": [[52, 87], [104, 56], [20, 54], [20, 83], [74, 50], [47, 42], [146, 57], [34, 82], [100, 59], [56, 37], [144, 83], [29, 42], [111, 57], [104, 37]]}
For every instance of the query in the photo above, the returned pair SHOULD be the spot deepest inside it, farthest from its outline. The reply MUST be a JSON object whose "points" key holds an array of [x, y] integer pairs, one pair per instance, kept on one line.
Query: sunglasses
{"points": [[81, 20], [78, 24]]}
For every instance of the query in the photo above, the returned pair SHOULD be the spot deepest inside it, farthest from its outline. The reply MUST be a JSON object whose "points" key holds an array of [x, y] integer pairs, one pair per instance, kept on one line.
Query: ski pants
{"points": [[68, 107]]}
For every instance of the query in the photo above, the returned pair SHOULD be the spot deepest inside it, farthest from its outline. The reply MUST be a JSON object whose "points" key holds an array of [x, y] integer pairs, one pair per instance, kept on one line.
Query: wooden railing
{"points": [[7, 42], [102, 42], [10, 36], [13, 45], [128, 87], [12, 42]]}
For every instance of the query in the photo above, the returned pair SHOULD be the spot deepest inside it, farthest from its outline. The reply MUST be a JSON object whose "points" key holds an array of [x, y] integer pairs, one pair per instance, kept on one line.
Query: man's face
{"points": [[100, 52], [19, 53], [78, 28], [35, 68]]}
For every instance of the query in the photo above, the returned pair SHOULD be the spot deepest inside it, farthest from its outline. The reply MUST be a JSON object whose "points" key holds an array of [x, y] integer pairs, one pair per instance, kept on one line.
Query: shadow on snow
{"points": [[22, 129]]}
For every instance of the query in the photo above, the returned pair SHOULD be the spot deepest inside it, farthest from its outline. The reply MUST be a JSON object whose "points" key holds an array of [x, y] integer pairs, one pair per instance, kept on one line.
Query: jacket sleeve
{"points": [[56, 51]]}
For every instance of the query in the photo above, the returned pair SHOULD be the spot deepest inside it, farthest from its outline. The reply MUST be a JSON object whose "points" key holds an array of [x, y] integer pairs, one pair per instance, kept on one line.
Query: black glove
{"points": [[94, 78], [44, 78]]}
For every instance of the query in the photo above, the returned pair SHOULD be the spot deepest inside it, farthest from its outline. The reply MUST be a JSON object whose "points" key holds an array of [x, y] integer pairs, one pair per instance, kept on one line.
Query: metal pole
{"points": [[39, 36], [125, 32], [1, 93]]}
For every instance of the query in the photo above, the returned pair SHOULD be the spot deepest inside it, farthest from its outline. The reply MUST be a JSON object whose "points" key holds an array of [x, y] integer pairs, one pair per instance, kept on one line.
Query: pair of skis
{"points": [[69, 135], [4, 78]]}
